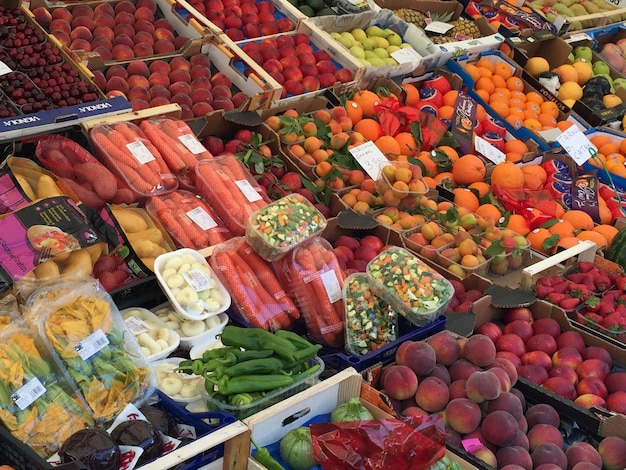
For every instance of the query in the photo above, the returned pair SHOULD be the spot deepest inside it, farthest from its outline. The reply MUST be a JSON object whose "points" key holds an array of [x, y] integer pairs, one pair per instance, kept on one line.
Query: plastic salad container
{"points": [[409, 286]]}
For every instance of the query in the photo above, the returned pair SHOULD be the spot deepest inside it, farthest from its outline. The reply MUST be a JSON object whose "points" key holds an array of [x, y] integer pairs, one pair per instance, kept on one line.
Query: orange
{"points": [[534, 97], [452, 154], [601, 139], [485, 72], [608, 148], [595, 237], [482, 188], [489, 212], [533, 124], [530, 114], [388, 146], [446, 112], [562, 228], [429, 164], [515, 84], [536, 170], [564, 125], [517, 103], [498, 81], [532, 106], [516, 120], [607, 231], [407, 143], [443, 176], [547, 120], [464, 197], [518, 224], [354, 110], [606, 216], [503, 70], [513, 157], [367, 100], [468, 169], [579, 219], [504, 92], [484, 83], [622, 146], [567, 242], [486, 63], [369, 128], [449, 99], [473, 71], [551, 108], [500, 107], [430, 182], [412, 94], [515, 145], [507, 175], [520, 95], [483, 94], [537, 238], [481, 114]]}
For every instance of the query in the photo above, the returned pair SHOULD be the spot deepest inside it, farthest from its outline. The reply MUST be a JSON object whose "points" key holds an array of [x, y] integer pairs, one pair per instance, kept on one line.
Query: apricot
{"points": [[479, 350]]}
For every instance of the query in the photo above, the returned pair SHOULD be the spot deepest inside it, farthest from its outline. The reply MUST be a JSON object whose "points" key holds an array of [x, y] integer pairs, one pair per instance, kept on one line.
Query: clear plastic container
{"points": [[156, 339], [276, 396], [231, 190], [370, 322], [399, 278], [509, 261], [448, 256], [402, 179], [180, 387], [86, 334], [190, 284], [282, 225]]}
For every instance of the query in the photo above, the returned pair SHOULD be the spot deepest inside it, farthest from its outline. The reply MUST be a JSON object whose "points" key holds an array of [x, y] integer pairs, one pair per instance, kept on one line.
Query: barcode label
{"points": [[91, 344], [198, 280], [136, 325], [331, 284], [140, 152], [248, 190], [192, 144], [28, 393], [201, 218]]}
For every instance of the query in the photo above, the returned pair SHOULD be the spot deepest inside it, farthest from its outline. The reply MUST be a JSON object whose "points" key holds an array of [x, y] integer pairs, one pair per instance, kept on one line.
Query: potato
{"points": [[47, 269], [79, 262], [145, 248], [153, 234], [95, 251], [149, 262], [130, 221], [47, 187], [84, 195], [25, 185], [58, 163]]}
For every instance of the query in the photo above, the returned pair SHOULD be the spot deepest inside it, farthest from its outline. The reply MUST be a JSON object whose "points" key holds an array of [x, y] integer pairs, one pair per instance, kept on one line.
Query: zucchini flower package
{"points": [[38, 405], [86, 334]]}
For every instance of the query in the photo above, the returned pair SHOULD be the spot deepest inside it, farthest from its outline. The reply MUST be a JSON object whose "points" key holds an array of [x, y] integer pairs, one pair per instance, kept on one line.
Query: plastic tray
{"points": [[167, 365], [141, 320], [447, 263], [241, 412], [294, 220], [415, 184], [406, 331]]}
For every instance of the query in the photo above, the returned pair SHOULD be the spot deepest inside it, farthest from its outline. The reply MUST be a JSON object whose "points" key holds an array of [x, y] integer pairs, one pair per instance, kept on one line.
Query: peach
{"points": [[548, 326], [489, 329], [200, 71], [509, 356], [150, 4], [117, 83], [568, 356], [571, 339], [521, 328], [500, 428], [81, 33], [541, 342], [99, 79], [202, 83], [441, 372], [561, 386], [520, 395], [138, 81], [539, 358], [62, 36], [432, 394], [514, 455], [564, 371], [223, 103], [143, 49], [222, 91], [522, 439], [593, 368], [83, 21], [616, 402], [180, 75], [80, 45], [478, 434], [42, 16], [163, 46], [446, 346], [165, 24], [582, 452], [161, 66], [142, 37], [479, 350], [139, 93], [541, 433], [142, 26], [220, 78], [159, 101], [163, 34], [616, 382], [463, 415], [521, 313], [124, 29], [503, 377], [549, 453], [124, 17], [597, 352], [126, 6], [507, 366], [138, 67], [482, 386], [82, 11], [144, 14], [200, 109], [138, 104], [509, 402], [123, 39], [511, 343], [542, 413], [104, 20], [457, 389], [592, 385], [452, 437], [419, 356], [101, 41], [400, 382], [612, 450], [104, 52], [462, 369], [533, 372], [182, 99], [61, 13], [180, 87], [585, 466], [122, 52], [589, 400]]}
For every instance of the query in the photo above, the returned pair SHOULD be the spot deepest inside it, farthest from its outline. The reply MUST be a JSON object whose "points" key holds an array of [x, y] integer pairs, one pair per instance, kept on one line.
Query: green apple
{"points": [[608, 77], [600, 68], [619, 83], [583, 52]]}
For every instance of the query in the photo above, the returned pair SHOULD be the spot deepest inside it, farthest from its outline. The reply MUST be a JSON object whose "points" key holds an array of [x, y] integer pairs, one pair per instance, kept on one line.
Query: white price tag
{"points": [[192, 144], [91, 344], [370, 158], [438, 27], [406, 55], [198, 280], [140, 151], [577, 145], [4, 68], [136, 325], [488, 151], [331, 284], [248, 190], [201, 218], [28, 393]]}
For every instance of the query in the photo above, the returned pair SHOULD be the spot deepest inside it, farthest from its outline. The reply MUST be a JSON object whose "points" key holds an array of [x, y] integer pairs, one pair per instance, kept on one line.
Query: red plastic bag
{"points": [[524, 201], [414, 442]]}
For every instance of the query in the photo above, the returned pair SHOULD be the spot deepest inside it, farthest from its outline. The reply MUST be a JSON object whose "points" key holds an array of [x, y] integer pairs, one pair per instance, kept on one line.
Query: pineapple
{"points": [[461, 28]]}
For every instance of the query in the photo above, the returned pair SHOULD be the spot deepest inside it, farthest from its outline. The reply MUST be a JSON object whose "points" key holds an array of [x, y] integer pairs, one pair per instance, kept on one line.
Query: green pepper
{"points": [[200, 367], [268, 365], [216, 353], [251, 383], [251, 354], [259, 339], [244, 399], [263, 456], [298, 341]]}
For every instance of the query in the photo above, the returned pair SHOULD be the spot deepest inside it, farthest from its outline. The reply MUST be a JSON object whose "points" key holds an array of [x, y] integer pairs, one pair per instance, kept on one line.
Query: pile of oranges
{"points": [[506, 95], [611, 154]]}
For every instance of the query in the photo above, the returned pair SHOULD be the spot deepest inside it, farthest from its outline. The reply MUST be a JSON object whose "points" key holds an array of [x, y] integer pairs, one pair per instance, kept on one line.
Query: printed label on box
{"points": [[201, 218], [91, 344], [28, 393]]}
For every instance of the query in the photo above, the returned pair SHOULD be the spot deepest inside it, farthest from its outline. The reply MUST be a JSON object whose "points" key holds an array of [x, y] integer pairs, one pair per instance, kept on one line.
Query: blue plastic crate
{"points": [[339, 360]]}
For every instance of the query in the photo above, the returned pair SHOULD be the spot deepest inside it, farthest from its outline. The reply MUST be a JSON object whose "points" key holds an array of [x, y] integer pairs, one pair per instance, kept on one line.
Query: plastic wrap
{"points": [[86, 334], [312, 275], [258, 297], [189, 220], [156, 339], [38, 406], [231, 190], [125, 150]]}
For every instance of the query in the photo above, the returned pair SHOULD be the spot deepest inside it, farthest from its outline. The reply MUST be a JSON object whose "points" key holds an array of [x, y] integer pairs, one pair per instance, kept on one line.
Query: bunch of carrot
{"points": [[231, 190], [189, 220], [126, 151], [311, 272], [177, 143], [257, 295]]}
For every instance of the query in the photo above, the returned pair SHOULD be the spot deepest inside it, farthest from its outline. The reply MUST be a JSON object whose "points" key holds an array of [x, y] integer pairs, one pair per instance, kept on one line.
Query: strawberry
{"points": [[605, 308], [555, 297], [620, 283], [601, 282], [543, 291], [585, 266], [591, 319], [569, 304], [592, 303]]}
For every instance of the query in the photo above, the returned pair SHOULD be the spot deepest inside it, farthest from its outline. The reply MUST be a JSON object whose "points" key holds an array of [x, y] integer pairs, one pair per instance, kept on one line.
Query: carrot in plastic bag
{"points": [[179, 129], [226, 200], [186, 204], [172, 156]]}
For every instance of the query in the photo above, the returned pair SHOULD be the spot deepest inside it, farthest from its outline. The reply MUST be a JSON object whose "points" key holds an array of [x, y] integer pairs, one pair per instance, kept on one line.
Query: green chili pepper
{"points": [[298, 341], [251, 354], [268, 365], [310, 371], [251, 383], [200, 367], [307, 353], [244, 399], [259, 339], [263, 456], [217, 353]]}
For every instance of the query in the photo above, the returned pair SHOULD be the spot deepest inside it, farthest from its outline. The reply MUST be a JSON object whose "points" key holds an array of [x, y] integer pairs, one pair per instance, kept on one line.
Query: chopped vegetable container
{"points": [[409, 286], [280, 226]]}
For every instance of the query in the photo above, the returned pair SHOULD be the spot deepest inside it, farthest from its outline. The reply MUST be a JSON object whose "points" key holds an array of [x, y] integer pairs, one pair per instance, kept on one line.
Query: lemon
{"points": [[536, 66], [570, 91]]}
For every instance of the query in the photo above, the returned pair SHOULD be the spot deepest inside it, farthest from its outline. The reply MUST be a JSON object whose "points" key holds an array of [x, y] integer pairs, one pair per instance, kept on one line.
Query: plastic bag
{"points": [[524, 201], [414, 443]]}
